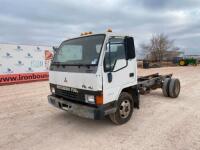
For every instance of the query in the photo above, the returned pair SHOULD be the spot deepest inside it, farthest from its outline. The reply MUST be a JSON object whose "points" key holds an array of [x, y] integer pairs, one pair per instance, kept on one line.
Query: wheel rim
{"points": [[125, 109]]}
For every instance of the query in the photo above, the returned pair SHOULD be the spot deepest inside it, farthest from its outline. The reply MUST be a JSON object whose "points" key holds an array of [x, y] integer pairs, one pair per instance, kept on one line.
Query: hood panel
{"points": [[86, 81]]}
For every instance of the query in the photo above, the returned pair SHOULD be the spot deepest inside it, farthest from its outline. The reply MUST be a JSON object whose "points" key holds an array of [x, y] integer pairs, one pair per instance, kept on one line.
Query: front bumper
{"points": [[83, 110]]}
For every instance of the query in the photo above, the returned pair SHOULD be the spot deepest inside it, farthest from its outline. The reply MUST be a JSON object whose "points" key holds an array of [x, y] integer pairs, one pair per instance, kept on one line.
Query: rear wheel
{"points": [[124, 109], [174, 88]]}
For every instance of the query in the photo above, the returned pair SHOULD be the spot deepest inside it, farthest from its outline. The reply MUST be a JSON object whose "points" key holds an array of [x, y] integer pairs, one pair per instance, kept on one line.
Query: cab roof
{"points": [[105, 33]]}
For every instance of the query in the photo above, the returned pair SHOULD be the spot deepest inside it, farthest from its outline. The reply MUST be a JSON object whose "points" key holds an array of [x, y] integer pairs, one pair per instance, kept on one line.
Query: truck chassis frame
{"points": [[151, 82]]}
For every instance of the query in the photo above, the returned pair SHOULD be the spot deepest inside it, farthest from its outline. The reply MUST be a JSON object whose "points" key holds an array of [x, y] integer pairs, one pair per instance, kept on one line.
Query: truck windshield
{"points": [[80, 51]]}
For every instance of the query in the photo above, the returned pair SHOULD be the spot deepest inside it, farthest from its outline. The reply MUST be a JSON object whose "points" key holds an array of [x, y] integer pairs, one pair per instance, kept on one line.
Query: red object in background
{"points": [[23, 77], [48, 55]]}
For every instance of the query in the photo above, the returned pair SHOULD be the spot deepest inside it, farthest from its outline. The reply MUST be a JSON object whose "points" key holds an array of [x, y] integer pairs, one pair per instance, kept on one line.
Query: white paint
{"points": [[76, 80], [120, 80]]}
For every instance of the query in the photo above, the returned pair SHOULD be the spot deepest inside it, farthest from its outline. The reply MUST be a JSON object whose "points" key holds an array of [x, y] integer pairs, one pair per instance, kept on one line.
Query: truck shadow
{"points": [[66, 118], [157, 94], [65, 123]]}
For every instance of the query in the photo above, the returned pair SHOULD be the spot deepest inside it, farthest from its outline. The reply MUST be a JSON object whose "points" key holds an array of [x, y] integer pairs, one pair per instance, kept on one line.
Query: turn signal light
{"points": [[99, 100]]}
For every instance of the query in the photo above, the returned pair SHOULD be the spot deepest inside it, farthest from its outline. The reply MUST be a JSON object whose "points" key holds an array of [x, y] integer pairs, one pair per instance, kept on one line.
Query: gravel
{"points": [[28, 122]]}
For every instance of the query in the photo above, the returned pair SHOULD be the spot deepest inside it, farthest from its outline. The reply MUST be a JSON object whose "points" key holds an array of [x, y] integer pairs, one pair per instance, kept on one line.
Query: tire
{"points": [[165, 87], [174, 88], [182, 63], [124, 110]]}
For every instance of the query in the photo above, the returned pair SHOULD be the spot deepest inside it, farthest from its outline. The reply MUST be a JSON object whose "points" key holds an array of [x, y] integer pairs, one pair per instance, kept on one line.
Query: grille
{"points": [[70, 95]]}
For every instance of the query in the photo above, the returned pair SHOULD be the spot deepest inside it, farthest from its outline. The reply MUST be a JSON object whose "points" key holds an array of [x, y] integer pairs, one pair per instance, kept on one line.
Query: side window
{"points": [[117, 51]]}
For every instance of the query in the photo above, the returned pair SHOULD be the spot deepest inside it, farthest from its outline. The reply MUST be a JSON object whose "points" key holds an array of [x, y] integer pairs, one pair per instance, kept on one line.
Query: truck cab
{"points": [[95, 75]]}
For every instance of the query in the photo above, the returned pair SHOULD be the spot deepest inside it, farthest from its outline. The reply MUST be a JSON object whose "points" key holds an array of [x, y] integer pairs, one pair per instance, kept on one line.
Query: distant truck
{"points": [[95, 75]]}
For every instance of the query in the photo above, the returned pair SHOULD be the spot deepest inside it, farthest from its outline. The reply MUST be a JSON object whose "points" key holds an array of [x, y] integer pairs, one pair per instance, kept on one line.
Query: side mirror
{"points": [[119, 64], [129, 47]]}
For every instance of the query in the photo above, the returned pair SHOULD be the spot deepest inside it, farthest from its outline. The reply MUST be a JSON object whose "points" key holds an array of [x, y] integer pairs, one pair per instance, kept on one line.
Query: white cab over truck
{"points": [[95, 75]]}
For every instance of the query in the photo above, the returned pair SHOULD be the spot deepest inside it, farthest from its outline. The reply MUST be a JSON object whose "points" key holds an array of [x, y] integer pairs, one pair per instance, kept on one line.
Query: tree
{"points": [[160, 46]]}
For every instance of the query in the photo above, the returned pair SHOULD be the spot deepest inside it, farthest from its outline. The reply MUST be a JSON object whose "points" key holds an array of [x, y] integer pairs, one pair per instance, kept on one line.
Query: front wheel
{"points": [[124, 109]]}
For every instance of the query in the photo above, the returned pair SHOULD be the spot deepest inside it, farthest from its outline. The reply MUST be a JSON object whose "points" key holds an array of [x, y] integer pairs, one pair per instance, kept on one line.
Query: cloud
{"points": [[48, 22], [164, 5]]}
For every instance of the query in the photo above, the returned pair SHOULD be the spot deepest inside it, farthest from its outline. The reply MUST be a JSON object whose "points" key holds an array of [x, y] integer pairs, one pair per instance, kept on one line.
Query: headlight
{"points": [[90, 99], [52, 90]]}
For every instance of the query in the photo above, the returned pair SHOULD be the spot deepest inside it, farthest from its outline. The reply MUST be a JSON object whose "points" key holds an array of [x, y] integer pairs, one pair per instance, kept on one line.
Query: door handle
{"points": [[131, 74]]}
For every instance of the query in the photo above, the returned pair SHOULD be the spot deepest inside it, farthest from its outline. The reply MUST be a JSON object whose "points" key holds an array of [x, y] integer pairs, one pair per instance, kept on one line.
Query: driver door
{"points": [[116, 67]]}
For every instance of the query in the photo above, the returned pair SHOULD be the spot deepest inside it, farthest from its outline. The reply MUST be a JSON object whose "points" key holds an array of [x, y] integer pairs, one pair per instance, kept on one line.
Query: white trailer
{"points": [[95, 75]]}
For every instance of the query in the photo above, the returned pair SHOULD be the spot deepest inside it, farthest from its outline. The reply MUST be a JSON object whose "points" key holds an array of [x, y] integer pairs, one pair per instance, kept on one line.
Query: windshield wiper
{"points": [[56, 63], [86, 65], [79, 65]]}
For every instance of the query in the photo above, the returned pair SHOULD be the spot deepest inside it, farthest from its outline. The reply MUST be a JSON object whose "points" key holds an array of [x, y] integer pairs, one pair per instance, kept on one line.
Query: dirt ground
{"points": [[28, 122]]}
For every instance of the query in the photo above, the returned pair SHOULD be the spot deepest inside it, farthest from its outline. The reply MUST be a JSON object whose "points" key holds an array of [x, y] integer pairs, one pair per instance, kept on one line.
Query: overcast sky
{"points": [[48, 22]]}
